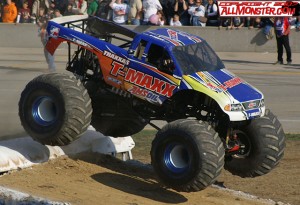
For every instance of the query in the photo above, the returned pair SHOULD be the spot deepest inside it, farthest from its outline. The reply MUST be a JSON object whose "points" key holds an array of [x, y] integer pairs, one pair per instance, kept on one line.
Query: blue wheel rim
{"points": [[176, 158], [44, 111]]}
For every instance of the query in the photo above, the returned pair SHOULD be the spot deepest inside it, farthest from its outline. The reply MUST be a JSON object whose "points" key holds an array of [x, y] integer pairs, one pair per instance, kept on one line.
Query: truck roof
{"points": [[171, 37], [168, 37]]}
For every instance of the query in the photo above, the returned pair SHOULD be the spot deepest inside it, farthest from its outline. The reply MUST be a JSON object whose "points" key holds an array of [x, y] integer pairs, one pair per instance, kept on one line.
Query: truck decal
{"points": [[172, 34], [140, 92], [54, 32], [116, 57], [231, 83], [189, 36], [149, 82], [117, 69]]}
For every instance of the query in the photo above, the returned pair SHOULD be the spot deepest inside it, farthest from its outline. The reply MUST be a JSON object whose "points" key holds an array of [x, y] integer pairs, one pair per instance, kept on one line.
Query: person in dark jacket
{"points": [[212, 14], [181, 9], [282, 31]]}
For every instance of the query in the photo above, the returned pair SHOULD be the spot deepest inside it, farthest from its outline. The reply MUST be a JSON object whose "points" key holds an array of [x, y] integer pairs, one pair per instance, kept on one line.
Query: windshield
{"points": [[197, 57]]}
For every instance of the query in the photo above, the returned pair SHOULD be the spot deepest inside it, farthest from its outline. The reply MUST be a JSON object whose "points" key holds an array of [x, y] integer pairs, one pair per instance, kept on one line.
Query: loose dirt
{"points": [[92, 178]]}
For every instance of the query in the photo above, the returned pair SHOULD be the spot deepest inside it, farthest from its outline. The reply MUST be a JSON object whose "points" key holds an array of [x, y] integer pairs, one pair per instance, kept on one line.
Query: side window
{"points": [[160, 58], [166, 64], [155, 54], [140, 49]]}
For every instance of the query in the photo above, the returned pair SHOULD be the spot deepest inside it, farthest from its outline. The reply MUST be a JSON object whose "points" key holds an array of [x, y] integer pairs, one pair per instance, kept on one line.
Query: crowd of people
{"points": [[136, 12], [199, 13]]}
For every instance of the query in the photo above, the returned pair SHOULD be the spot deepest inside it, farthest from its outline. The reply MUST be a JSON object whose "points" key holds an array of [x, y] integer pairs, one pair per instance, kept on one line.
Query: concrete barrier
{"points": [[242, 40]]}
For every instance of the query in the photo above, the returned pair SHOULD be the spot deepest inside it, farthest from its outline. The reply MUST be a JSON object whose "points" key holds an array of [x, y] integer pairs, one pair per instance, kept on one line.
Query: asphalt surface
{"points": [[279, 83]]}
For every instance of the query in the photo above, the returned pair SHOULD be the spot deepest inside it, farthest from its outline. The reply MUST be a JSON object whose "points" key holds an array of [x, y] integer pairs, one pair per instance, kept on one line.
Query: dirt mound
{"points": [[92, 178]]}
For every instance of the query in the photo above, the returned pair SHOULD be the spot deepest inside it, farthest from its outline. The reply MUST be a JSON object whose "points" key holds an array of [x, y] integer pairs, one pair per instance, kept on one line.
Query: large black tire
{"points": [[55, 109], [264, 139], [187, 155]]}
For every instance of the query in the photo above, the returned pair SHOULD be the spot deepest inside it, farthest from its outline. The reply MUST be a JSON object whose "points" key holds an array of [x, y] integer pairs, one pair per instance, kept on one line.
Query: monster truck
{"points": [[121, 80]]}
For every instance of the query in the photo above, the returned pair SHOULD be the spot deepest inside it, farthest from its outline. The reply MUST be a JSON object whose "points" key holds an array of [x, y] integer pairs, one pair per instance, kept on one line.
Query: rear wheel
{"points": [[187, 155], [55, 109], [264, 142]]}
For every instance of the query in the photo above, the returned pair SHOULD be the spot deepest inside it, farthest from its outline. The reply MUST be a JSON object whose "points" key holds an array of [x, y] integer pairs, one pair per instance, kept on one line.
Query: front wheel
{"points": [[55, 109], [264, 142], [187, 155]]}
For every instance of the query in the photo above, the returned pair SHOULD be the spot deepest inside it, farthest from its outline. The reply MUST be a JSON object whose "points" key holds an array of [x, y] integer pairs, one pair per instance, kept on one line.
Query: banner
{"points": [[258, 8]]}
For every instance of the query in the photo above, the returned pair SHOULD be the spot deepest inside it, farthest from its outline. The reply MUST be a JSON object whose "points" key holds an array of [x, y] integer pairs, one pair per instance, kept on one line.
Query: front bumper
{"points": [[246, 115]]}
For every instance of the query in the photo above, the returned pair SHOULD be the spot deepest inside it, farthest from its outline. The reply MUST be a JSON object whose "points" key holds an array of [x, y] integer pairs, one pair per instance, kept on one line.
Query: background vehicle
{"points": [[123, 80]]}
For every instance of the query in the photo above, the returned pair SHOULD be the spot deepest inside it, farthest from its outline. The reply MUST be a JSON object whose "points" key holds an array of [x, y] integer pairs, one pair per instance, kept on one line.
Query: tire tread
{"points": [[77, 103]]}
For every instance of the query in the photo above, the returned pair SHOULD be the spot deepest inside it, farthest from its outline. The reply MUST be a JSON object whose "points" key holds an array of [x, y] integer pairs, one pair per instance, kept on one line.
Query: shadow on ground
{"points": [[139, 187], [293, 66], [131, 177], [246, 62]]}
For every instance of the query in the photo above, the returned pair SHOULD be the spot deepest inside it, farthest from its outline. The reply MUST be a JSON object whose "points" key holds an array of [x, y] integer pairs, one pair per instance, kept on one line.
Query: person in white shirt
{"points": [[120, 11], [175, 21], [150, 7], [80, 7], [197, 12]]}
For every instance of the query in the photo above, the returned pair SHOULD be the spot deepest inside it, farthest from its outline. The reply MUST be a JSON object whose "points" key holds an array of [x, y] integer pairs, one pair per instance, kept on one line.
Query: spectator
{"points": [[150, 7], [168, 7], [212, 14], [30, 3], [282, 30], [48, 56], [92, 7], [103, 9], [258, 23], [9, 13], [18, 3], [249, 22], [225, 22], [197, 13], [80, 7], [37, 4], [1, 6], [190, 4], [42, 18], [50, 13], [135, 13], [237, 22], [57, 13], [298, 23], [181, 8], [293, 22], [61, 5], [157, 19], [24, 14], [161, 18], [205, 3], [175, 21], [120, 11], [69, 11], [267, 24]]}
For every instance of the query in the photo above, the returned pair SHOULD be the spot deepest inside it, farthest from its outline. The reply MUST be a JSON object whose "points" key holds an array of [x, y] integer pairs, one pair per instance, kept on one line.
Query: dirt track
{"points": [[98, 179]]}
